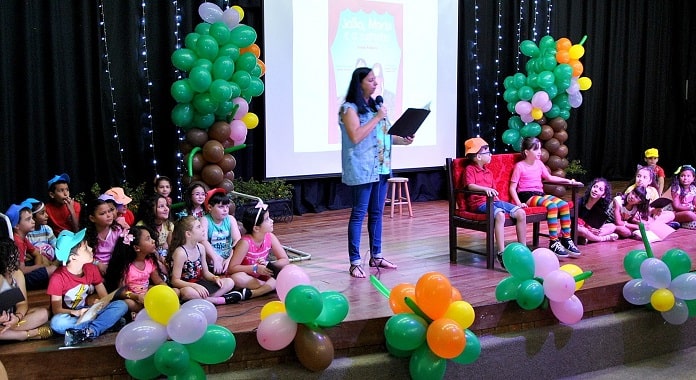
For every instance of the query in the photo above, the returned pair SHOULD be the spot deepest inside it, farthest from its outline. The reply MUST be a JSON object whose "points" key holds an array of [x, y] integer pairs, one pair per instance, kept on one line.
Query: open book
{"points": [[94, 310]]}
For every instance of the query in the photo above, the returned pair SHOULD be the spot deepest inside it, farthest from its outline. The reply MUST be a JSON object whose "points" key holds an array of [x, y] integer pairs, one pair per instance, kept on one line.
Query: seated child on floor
{"points": [[592, 212]]}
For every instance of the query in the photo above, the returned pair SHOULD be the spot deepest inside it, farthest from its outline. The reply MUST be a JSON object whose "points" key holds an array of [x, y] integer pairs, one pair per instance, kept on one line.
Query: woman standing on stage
{"points": [[366, 159]]}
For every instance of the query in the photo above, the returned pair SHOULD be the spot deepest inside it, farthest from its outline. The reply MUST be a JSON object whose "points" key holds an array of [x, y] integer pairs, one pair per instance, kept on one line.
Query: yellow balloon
{"points": [[461, 312], [584, 83], [576, 51], [250, 120], [537, 113], [272, 308], [239, 10], [573, 270], [662, 299], [161, 302]]}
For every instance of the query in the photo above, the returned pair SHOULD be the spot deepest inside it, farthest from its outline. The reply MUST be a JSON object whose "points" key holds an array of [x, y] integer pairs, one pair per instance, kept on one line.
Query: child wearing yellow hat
{"points": [[651, 158]]}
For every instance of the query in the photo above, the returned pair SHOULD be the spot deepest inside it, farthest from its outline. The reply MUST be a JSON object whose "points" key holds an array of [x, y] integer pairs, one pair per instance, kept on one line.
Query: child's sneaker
{"points": [[499, 256], [74, 337], [556, 247], [569, 245]]}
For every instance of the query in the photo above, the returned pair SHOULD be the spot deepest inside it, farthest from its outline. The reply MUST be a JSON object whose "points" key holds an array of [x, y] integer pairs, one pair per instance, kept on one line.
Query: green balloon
{"points": [[236, 90], [191, 39], [224, 109], [256, 71], [549, 63], [255, 87], [398, 353], [223, 68], [204, 64], [220, 32], [552, 90], [203, 121], [243, 35], [303, 303], [519, 261], [562, 101], [510, 136], [207, 47], [220, 91], [405, 331], [529, 48], [511, 107], [530, 294], [335, 309], [193, 372], [215, 346], [200, 79], [511, 96], [564, 114], [182, 115], [547, 42], [517, 145], [171, 358], [229, 50], [242, 78], [509, 82], [545, 79], [143, 369], [184, 59], [425, 365], [553, 112], [515, 122], [525, 93], [507, 288], [519, 80], [472, 350], [246, 62], [691, 304], [532, 66], [677, 261], [203, 28], [563, 71], [530, 130], [181, 91], [532, 80], [204, 103]]}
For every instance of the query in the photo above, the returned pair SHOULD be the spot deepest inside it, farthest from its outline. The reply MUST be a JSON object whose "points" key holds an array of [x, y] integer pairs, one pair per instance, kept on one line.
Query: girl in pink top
{"points": [[527, 189], [249, 266], [99, 217]]}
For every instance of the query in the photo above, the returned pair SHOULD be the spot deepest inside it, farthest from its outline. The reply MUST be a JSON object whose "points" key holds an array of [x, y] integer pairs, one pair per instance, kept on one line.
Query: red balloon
{"points": [[227, 163], [219, 131], [212, 175], [213, 151], [196, 137]]}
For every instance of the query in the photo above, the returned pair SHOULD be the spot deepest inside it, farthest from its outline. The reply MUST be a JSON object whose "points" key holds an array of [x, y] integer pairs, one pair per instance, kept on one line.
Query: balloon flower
{"points": [[299, 317], [666, 284], [538, 279], [549, 90], [430, 325], [195, 338]]}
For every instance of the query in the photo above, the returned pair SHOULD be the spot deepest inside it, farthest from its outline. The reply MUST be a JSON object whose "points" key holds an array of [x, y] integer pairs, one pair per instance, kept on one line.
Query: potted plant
{"points": [[576, 171], [276, 193]]}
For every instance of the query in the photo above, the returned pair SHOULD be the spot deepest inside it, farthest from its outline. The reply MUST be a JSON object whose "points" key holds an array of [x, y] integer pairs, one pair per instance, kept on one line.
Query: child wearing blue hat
{"points": [[63, 211], [69, 288]]}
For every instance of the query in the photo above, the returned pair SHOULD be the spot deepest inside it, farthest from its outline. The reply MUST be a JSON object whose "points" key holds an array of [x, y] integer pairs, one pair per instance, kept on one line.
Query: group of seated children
{"points": [[101, 251], [601, 216]]}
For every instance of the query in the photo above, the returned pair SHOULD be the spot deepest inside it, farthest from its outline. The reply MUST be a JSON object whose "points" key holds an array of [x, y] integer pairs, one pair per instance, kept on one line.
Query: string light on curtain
{"points": [[178, 74], [549, 8], [478, 69], [499, 39], [535, 36], [519, 34], [146, 75], [107, 71]]}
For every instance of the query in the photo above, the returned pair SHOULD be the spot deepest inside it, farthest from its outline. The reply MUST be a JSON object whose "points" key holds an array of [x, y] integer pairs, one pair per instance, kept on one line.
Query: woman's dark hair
{"points": [[146, 210], [189, 191], [91, 230], [9, 256], [355, 93], [249, 219], [123, 256], [606, 199]]}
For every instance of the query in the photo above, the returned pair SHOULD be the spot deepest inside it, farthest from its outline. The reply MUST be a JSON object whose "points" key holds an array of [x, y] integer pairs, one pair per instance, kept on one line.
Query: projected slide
{"points": [[311, 50]]}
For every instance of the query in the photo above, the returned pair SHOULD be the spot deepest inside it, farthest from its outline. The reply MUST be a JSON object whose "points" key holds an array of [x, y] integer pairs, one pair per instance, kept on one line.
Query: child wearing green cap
{"points": [[69, 287]]}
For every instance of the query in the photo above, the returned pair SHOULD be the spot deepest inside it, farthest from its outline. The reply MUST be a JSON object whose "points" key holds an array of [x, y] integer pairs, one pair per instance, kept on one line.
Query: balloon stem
{"points": [[190, 160], [540, 280], [412, 304], [584, 38], [235, 148], [583, 276], [644, 235], [379, 286], [235, 108]]}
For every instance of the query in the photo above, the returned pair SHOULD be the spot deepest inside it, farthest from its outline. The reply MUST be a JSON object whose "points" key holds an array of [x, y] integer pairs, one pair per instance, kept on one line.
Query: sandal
{"points": [[356, 271], [381, 262], [42, 332]]}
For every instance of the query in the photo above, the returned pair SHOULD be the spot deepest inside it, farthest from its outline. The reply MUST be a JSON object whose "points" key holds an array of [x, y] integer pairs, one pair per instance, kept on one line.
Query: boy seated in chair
{"points": [[479, 178]]}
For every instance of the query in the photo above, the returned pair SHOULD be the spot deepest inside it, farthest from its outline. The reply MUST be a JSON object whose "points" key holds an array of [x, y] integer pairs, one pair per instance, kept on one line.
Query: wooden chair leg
{"points": [[408, 199]]}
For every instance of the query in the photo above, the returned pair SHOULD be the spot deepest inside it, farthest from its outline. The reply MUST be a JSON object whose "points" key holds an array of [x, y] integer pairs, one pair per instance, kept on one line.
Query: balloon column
{"points": [[196, 339], [666, 284], [430, 325], [299, 316], [223, 71], [537, 277], [541, 100]]}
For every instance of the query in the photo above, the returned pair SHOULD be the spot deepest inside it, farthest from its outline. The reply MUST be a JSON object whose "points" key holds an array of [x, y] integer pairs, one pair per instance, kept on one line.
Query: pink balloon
{"points": [[575, 99], [559, 285], [238, 131], [545, 262], [204, 306], [539, 99], [243, 106], [276, 331], [527, 117], [187, 325], [140, 339], [230, 17], [523, 107], [569, 311], [547, 106], [289, 277]]}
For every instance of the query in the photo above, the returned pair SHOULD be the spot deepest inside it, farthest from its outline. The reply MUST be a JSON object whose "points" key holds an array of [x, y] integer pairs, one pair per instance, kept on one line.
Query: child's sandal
{"points": [[356, 271], [42, 332]]}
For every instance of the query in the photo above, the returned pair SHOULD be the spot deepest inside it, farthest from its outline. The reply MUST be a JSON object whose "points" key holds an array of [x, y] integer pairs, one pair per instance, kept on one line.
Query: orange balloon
{"points": [[397, 296], [562, 56], [253, 48], [446, 338], [456, 295], [563, 44], [262, 66], [433, 294], [577, 67]]}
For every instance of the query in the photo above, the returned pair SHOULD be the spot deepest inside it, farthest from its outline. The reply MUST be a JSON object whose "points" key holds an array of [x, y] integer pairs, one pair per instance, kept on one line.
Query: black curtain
{"points": [[59, 89]]}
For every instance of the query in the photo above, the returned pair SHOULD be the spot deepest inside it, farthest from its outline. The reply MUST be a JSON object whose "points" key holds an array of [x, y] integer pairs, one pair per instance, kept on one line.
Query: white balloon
{"points": [[210, 12], [678, 314], [204, 306], [230, 17]]}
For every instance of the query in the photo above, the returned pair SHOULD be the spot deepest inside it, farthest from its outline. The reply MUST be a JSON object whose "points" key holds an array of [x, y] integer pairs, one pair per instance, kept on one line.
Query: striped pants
{"points": [[557, 214]]}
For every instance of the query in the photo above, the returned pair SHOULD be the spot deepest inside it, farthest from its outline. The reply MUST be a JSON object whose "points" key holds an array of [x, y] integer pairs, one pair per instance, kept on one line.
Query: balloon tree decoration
{"points": [[430, 325], [541, 100], [195, 338], [666, 284], [537, 279], [223, 71], [299, 317]]}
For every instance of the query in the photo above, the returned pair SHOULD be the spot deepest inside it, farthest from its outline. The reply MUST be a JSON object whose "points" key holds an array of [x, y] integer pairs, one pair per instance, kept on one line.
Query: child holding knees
{"points": [[102, 231], [593, 210], [153, 212], [63, 211], [221, 228], [250, 266], [479, 177], [189, 271], [69, 287]]}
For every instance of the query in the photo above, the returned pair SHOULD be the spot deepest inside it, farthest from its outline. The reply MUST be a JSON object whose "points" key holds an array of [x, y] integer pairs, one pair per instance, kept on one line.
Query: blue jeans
{"points": [[106, 318], [367, 199], [500, 206]]}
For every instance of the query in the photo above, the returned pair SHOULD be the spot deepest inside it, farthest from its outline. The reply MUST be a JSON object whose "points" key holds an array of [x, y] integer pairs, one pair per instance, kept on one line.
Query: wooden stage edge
{"points": [[418, 245]]}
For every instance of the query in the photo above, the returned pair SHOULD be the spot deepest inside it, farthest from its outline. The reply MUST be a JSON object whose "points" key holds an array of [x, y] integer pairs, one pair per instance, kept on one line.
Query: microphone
{"points": [[379, 100]]}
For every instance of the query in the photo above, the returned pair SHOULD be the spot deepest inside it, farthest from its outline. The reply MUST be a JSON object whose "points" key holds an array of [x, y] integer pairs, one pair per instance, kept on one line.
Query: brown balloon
{"points": [[196, 136], [546, 132], [558, 124], [185, 180], [227, 163], [556, 190], [185, 147], [561, 136], [564, 163], [229, 175], [559, 173], [212, 175], [228, 186], [551, 145], [219, 131], [213, 151], [314, 349], [544, 155], [562, 151], [553, 163], [198, 163], [228, 143], [542, 121]]}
